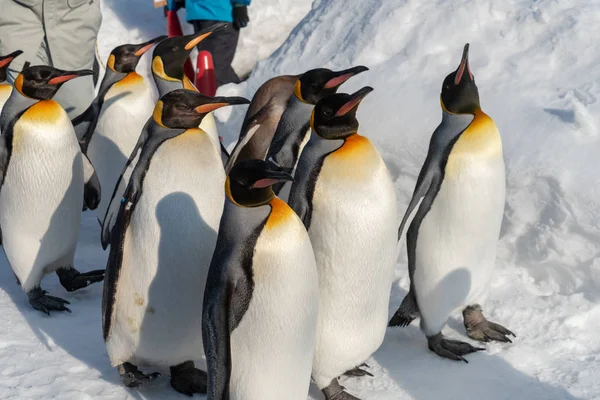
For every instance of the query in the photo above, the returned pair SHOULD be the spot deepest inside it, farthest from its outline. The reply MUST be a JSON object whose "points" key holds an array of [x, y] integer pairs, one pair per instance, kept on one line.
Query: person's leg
{"points": [[221, 45], [21, 28], [72, 29]]}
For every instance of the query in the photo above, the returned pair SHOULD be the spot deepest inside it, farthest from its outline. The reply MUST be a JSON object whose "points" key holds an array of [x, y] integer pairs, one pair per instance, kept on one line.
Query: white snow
{"points": [[536, 66]]}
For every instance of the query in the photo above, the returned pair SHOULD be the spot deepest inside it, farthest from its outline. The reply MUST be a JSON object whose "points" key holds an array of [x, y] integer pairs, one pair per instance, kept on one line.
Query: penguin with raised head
{"points": [[261, 297], [281, 129], [162, 244], [345, 197], [42, 186], [168, 59], [110, 128], [6, 88], [451, 241]]}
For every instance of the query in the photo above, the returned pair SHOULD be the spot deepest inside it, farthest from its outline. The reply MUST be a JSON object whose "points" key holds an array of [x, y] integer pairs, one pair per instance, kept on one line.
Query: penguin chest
{"points": [[272, 346], [42, 194], [457, 239], [353, 231], [127, 107], [167, 250]]}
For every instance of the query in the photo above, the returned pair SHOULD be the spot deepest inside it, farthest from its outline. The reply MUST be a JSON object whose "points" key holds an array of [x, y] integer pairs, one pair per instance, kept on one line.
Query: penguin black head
{"points": [[5, 62], [41, 82], [318, 83], [125, 58], [250, 182], [459, 92], [334, 117], [170, 54], [185, 109]]}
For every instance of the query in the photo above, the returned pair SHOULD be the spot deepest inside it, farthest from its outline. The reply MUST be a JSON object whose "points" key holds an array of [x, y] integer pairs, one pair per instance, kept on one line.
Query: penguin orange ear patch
{"points": [[337, 81], [206, 108]]}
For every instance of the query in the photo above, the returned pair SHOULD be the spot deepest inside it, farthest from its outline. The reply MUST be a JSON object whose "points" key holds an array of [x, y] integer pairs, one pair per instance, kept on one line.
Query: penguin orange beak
{"points": [[68, 75], [200, 36], [270, 178], [354, 101], [219, 102], [4, 61], [343, 76], [464, 66], [144, 47]]}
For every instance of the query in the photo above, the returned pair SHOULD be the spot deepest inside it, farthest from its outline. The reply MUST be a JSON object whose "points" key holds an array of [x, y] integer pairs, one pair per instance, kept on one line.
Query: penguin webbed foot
{"points": [[358, 372], [72, 280], [336, 392], [187, 379], [132, 377], [452, 349], [479, 328], [40, 300], [406, 313]]}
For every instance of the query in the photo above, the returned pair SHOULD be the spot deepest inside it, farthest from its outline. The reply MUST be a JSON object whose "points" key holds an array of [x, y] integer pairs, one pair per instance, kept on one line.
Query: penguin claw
{"points": [[487, 331], [39, 299], [72, 280], [452, 349], [336, 392], [357, 372], [132, 377]]}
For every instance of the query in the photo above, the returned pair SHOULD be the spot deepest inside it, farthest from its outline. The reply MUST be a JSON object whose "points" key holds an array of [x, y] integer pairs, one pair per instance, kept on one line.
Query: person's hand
{"points": [[240, 16]]}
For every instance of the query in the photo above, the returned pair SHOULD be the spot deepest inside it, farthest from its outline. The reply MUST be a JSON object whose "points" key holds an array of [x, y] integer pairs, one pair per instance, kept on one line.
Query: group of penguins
{"points": [[275, 262]]}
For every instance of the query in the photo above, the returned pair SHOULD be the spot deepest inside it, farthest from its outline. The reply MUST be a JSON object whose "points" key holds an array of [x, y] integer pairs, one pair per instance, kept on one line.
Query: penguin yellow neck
{"points": [[280, 213]]}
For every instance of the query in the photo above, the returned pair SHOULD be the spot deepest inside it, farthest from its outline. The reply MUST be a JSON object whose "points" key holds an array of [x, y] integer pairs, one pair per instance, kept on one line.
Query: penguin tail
{"points": [[406, 313]]}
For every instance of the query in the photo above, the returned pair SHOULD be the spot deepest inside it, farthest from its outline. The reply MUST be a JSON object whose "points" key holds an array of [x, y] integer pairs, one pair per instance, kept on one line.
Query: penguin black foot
{"points": [[358, 372], [72, 280], [336, 392], [452, 349], [479, 328], [187, 379], [407, 311], [132, 377], [39, 299]]}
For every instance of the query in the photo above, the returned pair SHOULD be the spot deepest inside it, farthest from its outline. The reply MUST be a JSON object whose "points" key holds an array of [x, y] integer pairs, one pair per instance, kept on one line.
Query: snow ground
{"points": [[538, 77]]}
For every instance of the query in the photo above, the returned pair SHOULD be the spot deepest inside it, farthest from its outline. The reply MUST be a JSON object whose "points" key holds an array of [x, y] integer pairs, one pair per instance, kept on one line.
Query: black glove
{"points": [[240, 16], [177, 4]]}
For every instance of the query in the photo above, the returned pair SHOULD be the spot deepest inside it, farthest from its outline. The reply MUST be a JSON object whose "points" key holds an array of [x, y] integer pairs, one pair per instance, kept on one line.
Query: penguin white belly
{"points": [[167, 250], [272, 347], [42, 194], [457, 239], [353, 232], [127, 107], [5, 91], [209, 126]]}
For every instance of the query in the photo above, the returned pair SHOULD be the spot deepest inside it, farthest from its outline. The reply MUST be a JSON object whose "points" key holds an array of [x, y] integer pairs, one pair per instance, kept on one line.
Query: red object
{"points": [[205, 74], [174, 29]]}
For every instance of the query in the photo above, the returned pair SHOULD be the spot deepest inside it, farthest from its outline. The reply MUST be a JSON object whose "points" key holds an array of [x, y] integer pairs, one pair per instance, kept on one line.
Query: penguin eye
{"points": [[328, 112], [175, 49], [180, 107]]}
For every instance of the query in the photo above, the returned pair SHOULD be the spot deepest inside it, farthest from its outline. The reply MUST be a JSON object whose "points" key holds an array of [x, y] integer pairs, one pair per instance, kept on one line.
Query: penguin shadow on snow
{"points": [[169, 211], [423, 375], [78, 333]]}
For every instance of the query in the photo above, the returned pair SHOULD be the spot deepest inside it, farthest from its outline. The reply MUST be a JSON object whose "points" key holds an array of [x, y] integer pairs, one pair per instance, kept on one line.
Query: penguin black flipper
{"points": [[427, 187], [239, 146], [91, 189], [110, 218]]}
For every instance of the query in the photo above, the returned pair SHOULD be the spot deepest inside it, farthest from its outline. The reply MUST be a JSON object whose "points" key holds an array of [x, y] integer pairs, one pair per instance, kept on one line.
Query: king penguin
{"points": [[5, 88], [110, 128], [168, 59], [162, 244], [261, 298], [451, 241], [345, 197], [42, 186], [279, 130]]}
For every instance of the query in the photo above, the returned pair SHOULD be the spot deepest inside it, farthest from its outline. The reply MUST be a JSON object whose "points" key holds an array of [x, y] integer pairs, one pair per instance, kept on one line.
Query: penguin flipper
{"points": [[243, 140], [91, 190], [110, 218], [85, 123]]}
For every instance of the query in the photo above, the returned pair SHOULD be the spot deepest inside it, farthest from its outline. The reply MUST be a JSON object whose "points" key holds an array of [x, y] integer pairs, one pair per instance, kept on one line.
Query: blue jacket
{"points": [[210, 10]]}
